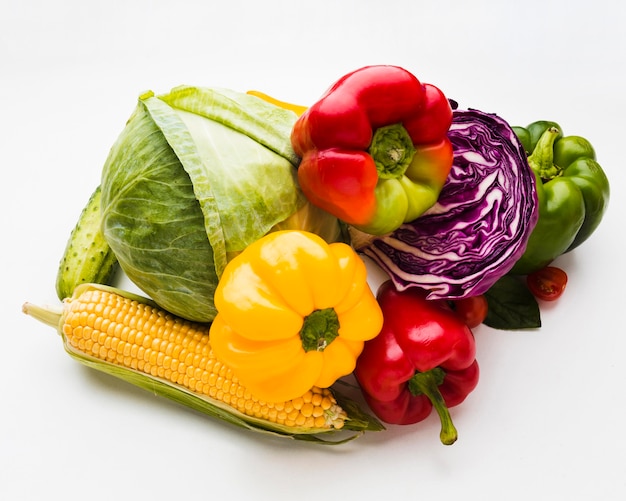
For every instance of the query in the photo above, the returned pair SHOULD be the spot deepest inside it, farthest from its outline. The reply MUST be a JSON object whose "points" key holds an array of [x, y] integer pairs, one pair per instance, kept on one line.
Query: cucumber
{"points": [[87, 257]]}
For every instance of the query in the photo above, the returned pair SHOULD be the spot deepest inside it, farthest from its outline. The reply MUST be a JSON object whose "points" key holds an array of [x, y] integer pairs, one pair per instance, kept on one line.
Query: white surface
{"points": [[546, 420]]}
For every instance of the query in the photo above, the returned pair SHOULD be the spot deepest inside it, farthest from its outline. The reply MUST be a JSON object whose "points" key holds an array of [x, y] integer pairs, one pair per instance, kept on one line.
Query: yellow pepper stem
{"points": [[319, 329]]}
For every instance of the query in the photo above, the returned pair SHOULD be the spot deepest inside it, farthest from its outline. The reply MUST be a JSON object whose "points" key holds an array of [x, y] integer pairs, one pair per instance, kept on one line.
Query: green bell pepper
{"points": [[572, 192]]}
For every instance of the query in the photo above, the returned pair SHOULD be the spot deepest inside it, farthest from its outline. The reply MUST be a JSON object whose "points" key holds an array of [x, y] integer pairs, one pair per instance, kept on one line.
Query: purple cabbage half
{"points": [[481, 223]]}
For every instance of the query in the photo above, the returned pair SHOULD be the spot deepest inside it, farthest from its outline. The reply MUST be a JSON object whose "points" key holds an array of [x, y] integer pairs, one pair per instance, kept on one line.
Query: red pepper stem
{"points": [[542, 158], [392, 150], [427, 383]]}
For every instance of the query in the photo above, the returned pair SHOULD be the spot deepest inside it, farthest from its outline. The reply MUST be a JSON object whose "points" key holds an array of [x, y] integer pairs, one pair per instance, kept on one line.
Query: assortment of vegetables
{"points": [[195, 177], [242, 218]]}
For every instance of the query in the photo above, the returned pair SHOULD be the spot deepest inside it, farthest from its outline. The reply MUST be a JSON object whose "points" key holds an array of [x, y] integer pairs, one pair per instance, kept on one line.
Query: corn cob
{"points": [[132, 338], [87, 257]]}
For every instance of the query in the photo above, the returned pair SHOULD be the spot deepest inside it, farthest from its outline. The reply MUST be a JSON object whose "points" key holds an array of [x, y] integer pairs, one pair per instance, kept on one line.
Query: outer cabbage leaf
{"points": [[194, 178], [481, 223], [153, 222]]}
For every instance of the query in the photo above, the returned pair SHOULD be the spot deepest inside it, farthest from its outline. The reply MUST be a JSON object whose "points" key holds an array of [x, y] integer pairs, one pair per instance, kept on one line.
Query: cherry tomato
{"points": [[472, 310], [547, 283]]}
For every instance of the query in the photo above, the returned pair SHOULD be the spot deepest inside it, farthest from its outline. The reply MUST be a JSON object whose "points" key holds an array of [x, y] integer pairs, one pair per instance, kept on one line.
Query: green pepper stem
{"points": [[427, 384], [392, 150], [541, 159], [319, 329]]}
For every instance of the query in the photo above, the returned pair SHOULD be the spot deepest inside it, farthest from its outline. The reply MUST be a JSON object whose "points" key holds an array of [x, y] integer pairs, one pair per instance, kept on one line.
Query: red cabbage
{"points": [[481, 223]]}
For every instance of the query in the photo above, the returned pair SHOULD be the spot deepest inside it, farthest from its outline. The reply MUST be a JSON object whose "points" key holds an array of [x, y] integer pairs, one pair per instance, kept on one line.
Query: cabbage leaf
{"points": [[195, 177], [481, 222]]}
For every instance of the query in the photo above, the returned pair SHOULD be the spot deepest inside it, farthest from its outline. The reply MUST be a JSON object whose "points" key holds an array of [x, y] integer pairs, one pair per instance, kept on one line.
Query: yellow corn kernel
{"points": [[138, 336]]}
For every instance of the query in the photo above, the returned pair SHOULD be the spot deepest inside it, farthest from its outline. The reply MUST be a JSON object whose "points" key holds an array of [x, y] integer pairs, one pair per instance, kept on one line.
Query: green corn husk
{"points": [[358, 421]]}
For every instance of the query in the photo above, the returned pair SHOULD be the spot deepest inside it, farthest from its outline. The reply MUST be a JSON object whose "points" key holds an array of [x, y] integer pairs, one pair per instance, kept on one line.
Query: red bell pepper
{"points": [[374, 148], [424, 357]]}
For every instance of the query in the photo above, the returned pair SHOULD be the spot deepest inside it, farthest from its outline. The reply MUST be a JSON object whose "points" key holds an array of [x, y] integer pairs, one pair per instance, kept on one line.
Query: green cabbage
{"points": [[195, 177]]}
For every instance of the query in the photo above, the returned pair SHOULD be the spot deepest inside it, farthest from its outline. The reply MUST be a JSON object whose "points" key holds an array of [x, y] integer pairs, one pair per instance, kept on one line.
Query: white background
{"points": [[547, 418]]}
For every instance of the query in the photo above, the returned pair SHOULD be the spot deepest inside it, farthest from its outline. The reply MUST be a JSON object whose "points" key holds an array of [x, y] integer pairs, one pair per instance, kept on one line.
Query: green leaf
{"points": [[243, 186], [265, 123], [358, 418], [512, 305]]}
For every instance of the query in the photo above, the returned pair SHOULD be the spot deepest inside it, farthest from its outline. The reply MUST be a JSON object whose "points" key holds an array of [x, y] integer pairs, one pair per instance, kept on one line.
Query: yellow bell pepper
{"points": [[296, 108], [293, 313]]}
